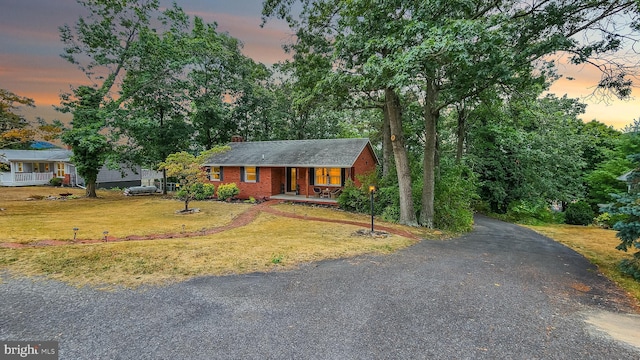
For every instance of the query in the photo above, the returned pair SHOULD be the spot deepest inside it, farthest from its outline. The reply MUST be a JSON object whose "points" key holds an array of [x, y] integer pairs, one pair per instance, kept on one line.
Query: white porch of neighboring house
{"points": [[33, 167], [151, 178], [38, 167]]}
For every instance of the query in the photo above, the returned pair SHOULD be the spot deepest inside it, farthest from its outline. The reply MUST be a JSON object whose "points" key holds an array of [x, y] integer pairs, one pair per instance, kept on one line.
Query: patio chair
{"points": [[335, 193], [317, 191]]}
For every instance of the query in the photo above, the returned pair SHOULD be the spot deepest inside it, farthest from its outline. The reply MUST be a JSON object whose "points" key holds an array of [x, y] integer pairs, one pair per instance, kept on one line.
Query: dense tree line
{"points": [[443, 55], [163, 82]]}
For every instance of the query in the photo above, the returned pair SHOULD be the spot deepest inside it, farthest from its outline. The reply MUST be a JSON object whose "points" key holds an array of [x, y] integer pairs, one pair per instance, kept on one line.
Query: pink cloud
{"points": [[261, 44]]}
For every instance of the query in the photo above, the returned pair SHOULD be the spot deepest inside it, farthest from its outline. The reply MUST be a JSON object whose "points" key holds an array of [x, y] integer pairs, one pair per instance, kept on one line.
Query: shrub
{"points": [[607, 220], [353, 198], [454, 192], [203, 191], [228, 191], [579, 213], [532, 212], [603, 221], [631, 267], [56, 181]]}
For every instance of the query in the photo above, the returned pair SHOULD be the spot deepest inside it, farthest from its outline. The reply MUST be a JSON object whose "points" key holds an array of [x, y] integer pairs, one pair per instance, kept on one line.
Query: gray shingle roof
{"points": [[35, 155], [294, 153]]}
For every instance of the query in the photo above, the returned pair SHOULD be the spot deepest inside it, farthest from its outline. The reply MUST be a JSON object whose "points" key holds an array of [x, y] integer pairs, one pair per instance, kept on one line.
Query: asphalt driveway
{"points": [[500, 292]]}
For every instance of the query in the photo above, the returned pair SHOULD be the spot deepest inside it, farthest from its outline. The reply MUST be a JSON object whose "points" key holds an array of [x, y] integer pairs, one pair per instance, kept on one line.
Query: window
{"points": [[20, 167], [46, 167], [60, 170], [250, 174], [36, 167], [215, 173], [328, 176]]}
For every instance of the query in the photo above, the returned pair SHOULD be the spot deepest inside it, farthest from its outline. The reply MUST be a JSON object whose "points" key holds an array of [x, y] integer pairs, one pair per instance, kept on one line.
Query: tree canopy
{"points": [[444, 53]]}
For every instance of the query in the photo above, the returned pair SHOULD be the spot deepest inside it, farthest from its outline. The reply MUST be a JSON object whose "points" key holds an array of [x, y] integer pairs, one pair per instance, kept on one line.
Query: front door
{"points": [[292, 176]]}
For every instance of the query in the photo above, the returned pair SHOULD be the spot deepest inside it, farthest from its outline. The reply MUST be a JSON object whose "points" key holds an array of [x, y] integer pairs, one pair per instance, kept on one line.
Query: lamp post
{"points": [[372, 189]]}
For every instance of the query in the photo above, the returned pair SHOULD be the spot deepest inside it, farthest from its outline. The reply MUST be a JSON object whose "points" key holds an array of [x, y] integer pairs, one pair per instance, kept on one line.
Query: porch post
{"points": [[13, 171], [306, 183]]}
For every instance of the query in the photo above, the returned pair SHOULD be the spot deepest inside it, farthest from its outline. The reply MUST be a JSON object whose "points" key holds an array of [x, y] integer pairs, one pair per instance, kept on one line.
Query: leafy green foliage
{"points": [[628, 229], [189, 173], [631, 267], [449, 53], [532, 212], [56, 181], [9, 104], [455, 191], [200, 191], [90, 145], [154, 111], [12, 124], [353, 198], [579, 213], [228, 191], [15, 131], [527, 150], [102, 46]]}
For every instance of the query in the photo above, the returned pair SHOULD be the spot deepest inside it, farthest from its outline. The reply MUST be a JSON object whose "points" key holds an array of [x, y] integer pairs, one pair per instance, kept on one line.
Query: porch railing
{"points": [[33, 177]]}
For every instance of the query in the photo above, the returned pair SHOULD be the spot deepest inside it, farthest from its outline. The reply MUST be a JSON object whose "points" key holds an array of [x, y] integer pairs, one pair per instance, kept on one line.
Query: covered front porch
{"points": [[312, 183], [25, 179], [305, 199]]}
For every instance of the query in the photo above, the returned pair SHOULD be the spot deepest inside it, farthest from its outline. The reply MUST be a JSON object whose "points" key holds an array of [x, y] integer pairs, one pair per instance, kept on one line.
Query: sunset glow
{"points": [[30, 65]]}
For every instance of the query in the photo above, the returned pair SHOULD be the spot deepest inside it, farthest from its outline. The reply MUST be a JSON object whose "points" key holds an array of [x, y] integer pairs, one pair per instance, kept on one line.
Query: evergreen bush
{"points": [[202, 191], [579, 213], [56, 181], [631, 267]]}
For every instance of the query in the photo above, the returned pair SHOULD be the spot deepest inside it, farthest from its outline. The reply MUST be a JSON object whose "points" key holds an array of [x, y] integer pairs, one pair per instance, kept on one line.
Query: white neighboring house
{"points": [[38, 167], [34, 167]]}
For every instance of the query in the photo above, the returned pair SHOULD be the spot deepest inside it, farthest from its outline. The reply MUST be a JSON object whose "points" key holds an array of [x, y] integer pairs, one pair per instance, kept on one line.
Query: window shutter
{"points": [[312, 176], [343, 174], [257, 174], [220, 173], [242, 174]]}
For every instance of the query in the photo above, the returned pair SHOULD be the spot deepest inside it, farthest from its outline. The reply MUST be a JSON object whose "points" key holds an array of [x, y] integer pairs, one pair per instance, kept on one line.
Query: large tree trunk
{"points": [[407, 212], [90, 191], [429, 160], [461, 131], [387, 147]]}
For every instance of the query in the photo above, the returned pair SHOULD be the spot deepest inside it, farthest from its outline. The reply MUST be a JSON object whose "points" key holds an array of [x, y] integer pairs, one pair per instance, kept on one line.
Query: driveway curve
{"points": [[499, 292]]}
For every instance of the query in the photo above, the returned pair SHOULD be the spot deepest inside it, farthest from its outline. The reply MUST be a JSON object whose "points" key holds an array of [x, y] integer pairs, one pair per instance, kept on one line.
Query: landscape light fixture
{"points": [[372, 190], [105, 233], [75, 232]]}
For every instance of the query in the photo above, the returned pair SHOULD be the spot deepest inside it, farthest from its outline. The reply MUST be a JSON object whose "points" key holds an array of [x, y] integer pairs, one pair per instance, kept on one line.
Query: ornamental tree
{"points": [[188, 169]]}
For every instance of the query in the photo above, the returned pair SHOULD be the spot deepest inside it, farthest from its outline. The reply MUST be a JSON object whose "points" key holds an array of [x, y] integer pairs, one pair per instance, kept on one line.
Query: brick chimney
{"points": [[237, 138]]}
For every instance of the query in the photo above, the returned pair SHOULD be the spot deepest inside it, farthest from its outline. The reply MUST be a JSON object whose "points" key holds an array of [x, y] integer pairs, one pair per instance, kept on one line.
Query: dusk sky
{"points": [[30, 64]]}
